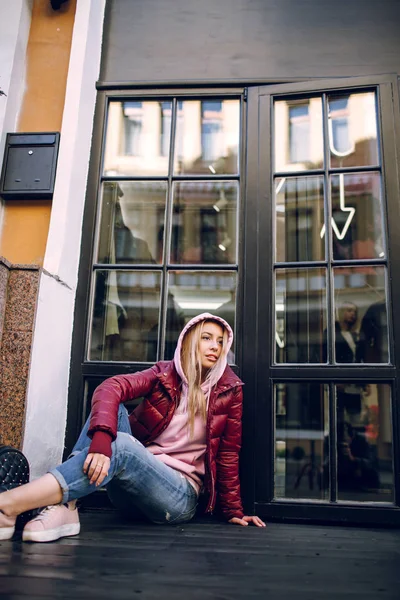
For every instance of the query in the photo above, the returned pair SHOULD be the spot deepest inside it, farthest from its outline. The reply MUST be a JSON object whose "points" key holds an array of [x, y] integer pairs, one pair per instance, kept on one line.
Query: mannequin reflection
{"points": [[346, 339], [346, 351], [128, 301], [129, 248]]}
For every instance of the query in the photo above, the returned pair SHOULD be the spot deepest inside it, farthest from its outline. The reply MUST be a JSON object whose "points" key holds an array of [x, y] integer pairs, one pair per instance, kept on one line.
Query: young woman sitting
{"points": [[180, 444]]}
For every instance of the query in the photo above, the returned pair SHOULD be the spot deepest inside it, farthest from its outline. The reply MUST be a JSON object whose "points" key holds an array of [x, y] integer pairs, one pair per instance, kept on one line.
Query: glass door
{"points": [[162, 242], [327, 369]]}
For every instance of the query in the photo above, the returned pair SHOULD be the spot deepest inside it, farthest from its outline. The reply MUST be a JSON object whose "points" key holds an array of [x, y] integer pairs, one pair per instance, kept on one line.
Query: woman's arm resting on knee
{"points": [[96, 467]]}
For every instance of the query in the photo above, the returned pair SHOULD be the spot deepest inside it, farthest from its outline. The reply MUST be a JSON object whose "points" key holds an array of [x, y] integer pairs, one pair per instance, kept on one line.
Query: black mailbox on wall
{"points": [[29, 166]]}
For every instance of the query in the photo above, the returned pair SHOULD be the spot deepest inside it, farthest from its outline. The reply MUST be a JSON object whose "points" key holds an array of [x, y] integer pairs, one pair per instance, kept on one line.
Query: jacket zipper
{"points": [[212, 494]]}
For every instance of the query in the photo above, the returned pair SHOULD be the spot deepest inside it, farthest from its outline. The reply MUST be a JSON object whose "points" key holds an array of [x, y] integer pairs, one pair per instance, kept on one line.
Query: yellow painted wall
{"points": [[26, 223]]}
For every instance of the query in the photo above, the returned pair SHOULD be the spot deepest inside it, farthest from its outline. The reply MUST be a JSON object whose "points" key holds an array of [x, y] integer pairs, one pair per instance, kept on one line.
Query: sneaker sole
{"points": [[6, 533], [52, 534]]}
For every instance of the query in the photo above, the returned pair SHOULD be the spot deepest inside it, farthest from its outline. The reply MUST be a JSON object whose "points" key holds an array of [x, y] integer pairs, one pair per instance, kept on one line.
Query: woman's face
{"points": [[210, 346]]}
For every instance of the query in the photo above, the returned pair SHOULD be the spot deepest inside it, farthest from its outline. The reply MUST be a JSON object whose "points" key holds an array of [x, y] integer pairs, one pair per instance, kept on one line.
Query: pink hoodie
{"points": [[174, 446]]}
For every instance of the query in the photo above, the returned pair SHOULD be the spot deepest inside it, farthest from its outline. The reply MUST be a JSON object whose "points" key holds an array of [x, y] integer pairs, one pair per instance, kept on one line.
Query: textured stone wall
{"points": [[18, 298]]}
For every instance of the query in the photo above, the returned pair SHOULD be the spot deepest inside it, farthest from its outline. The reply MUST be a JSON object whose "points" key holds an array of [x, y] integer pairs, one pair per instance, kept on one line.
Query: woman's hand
{"points": [[246, 520], [96, 468]]}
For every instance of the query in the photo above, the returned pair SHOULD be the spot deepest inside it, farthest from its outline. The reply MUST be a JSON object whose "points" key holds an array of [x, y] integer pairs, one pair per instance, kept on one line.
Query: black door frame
{"points": [[258, 369], [83, 373], [255, 260]]}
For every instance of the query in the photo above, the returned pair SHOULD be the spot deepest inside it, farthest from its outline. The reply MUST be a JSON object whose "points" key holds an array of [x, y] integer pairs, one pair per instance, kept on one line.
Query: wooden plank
{"points": [[203, 560]]}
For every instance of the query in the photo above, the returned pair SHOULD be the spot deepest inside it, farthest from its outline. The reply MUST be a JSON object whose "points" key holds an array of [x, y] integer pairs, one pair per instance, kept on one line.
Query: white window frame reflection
{"points": [[338, 127], [211, 130], [133, 126], [299, 132]]}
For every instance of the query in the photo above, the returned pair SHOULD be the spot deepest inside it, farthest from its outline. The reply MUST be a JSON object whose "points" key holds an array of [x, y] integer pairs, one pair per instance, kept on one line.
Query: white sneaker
{"points": [[52, 523], [7, 526]]}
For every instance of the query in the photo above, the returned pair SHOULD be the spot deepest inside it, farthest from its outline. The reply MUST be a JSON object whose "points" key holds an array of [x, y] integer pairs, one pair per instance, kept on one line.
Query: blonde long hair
{"points": [[192, 368]]}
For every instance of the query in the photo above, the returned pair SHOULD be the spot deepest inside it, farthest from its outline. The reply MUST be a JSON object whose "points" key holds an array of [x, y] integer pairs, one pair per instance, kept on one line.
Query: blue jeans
{"points": [[136, 479]]}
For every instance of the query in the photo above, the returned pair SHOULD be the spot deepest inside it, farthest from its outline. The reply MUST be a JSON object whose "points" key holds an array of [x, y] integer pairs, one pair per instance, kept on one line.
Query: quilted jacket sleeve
{"points": [[228, 460], [114, 391]]}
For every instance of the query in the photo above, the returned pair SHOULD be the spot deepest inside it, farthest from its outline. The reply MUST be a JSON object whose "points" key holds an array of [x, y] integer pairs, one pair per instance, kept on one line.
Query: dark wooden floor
{"points": [[204, 560]]}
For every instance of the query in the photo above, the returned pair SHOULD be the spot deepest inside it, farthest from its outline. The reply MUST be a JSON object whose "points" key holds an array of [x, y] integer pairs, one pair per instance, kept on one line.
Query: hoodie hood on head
{"points": [[222, 361]]}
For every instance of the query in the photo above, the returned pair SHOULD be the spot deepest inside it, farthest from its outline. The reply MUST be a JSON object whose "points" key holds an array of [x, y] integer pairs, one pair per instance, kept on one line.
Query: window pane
{"points": [[357, 230], [138, 138], [301, 441], [364, 442], [194, 292], [300, 315], [125, 316], [204, 223], [352, 130], [299, 213], [207, 137], [132, 222], [361, 321], [298, 134]]}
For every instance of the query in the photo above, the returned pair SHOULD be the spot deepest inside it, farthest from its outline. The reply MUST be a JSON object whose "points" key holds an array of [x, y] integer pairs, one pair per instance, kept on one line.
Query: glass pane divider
{"points": [[201, 267], [328, 234], [163, 316], [360, 262], [384, 204], [128, 267], [332, 443], [354, 262], [330, 171], [169, 267], [344, 170], [167, 239], [300, 264], [118, 178], [205, 178], [310, 172]]}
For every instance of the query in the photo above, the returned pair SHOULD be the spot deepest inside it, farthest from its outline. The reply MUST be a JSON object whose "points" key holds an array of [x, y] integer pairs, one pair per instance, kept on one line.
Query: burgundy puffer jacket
{"points": [[160, 387]]}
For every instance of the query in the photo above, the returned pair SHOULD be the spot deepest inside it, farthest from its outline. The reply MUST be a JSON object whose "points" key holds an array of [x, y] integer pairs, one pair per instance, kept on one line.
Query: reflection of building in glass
{"points": [[301, 430], [211, 130], [364, 442], [166, 120], [299, 132], [339, 125], [165, 221], [204, 222], [134, 139], [206, 142], [139, 133], [133, 123], [301, 313]]}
